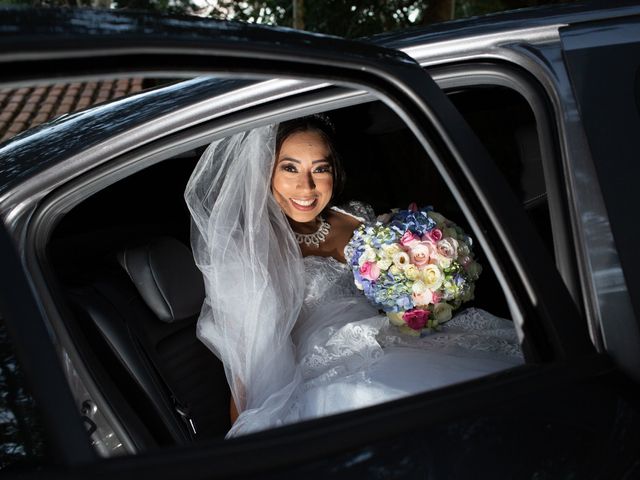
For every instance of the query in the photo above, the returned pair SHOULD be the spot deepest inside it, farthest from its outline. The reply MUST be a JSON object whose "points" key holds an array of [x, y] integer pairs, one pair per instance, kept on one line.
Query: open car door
{"points": [[50, 45]]}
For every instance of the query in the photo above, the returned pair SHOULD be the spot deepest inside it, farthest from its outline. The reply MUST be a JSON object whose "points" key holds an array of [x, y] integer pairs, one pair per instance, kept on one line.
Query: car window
{"points": [[505, 124], [378, 151], [21, 433]]}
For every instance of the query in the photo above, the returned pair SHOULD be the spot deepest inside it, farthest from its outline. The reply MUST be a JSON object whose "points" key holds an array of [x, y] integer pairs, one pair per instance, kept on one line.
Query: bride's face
{"points": [[302, 181]]}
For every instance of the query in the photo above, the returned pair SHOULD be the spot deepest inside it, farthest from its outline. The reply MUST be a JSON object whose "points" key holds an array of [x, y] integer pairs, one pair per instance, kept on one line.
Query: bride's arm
{"points": [[233, 411]]}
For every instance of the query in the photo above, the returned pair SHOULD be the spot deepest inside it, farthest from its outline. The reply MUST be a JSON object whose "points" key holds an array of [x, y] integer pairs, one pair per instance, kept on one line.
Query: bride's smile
{"points": [[304, 205]]}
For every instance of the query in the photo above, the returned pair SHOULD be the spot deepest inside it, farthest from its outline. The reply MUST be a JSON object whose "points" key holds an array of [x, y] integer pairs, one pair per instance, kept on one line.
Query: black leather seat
{"points": [[143, 309]]}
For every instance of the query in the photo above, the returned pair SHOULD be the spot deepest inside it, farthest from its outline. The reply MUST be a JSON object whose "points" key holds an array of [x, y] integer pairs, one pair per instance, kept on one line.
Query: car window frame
{"points": [[132, 159], [487, 73]]}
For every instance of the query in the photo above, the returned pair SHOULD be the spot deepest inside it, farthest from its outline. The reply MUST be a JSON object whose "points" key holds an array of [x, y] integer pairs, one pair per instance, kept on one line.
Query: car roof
{"points": [[524, 18]]}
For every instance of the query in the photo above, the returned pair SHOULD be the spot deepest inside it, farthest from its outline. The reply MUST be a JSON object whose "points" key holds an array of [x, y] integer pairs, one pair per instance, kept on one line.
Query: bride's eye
{"points": [[288, 167], [323, 169]]}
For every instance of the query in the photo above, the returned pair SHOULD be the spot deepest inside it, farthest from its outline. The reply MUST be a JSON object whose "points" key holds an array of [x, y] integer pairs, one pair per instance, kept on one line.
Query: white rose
{"points": [[391, 249], [384, 263], [432, 277], [418, 287], [442, 312], [401, 260], [412, 272], [444, 262], [396, 318]]}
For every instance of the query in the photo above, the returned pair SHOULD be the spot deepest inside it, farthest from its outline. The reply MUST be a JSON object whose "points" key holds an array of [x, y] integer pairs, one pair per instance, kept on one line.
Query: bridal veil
{"points": [[253, 270]]}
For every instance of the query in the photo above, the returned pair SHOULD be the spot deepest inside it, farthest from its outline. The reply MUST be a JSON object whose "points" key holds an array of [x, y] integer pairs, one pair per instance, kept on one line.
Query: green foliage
{"points": [[177, 7], [356, 18], [347, 18]]}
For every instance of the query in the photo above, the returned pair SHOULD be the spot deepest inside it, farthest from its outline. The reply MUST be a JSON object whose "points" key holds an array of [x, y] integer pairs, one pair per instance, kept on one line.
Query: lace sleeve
{"points": [[361, 211]]}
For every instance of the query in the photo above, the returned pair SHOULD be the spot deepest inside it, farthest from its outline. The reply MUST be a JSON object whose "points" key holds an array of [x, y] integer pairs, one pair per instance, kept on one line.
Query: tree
{"points": [[357, 18], [350, 19], [347, 18]]}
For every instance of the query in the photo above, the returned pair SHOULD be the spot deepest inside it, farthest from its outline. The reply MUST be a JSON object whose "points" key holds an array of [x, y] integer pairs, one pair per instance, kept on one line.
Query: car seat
{"points": [[140, 315]]}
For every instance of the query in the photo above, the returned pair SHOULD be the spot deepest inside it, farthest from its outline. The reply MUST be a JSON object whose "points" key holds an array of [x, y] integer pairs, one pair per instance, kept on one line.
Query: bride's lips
{"points": [[304, 205]]}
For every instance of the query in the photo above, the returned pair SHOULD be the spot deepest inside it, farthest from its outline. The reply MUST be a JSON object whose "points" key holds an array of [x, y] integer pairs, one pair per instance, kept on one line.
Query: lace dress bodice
{"points": [[326, 278]]}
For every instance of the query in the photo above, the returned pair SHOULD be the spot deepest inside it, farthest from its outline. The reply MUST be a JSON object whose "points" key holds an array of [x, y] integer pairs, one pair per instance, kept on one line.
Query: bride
{"points": [[296, 337]]}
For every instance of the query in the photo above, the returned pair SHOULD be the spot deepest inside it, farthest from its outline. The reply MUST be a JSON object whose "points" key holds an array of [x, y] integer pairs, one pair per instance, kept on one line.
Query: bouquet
{"points": [[416, 266]]}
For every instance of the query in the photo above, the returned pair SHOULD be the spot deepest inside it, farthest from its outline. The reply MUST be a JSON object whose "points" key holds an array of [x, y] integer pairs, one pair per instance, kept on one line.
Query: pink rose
{"points": [[424, 298], [448, 247], [370, 271], [416, 319], [409, 238], [436, 297], [420, 254], [433, 236]]}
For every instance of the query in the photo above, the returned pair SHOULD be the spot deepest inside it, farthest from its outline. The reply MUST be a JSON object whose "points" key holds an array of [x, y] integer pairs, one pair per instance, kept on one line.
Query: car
{"points": [[521, 126]]}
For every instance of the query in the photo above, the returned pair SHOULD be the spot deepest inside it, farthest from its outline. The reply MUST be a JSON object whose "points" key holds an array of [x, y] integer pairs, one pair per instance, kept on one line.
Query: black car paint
{"points": [[606, 53]]}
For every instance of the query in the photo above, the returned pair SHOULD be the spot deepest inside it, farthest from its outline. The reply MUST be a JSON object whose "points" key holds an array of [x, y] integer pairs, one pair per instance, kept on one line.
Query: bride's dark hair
{"points": [[322, 125]]}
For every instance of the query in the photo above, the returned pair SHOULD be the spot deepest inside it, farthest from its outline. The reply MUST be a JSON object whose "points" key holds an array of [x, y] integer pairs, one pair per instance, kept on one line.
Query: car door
{"points": [[599, 57], [419, 435]]}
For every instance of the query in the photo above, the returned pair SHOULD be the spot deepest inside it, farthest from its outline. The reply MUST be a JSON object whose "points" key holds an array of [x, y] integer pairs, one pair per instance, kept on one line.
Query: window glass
{"points": [[504, 122], [21, 432]]}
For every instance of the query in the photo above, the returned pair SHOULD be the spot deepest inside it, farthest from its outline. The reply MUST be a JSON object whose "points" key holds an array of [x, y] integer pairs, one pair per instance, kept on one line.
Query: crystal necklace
{"points": [[317, 237]]}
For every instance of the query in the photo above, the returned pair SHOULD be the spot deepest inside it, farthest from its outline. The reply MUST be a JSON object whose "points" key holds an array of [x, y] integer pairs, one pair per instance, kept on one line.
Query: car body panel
{"points": [[19, 309], [600, 59]]}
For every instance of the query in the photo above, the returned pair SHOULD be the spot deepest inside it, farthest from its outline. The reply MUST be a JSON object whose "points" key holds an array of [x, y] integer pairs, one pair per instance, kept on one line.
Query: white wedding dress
{"points": [[348, 356], [296, 338]]}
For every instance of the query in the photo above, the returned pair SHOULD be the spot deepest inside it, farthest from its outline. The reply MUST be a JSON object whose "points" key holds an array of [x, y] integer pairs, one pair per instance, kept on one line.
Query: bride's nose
{"points": [[306, 182]]}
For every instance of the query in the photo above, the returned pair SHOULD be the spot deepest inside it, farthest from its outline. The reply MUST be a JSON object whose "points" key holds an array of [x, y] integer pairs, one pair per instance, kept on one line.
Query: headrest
{"points": [[164, 272]]}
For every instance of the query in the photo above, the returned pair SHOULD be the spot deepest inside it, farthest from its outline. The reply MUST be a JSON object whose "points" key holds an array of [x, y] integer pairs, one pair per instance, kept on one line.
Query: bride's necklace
{"points": [[317, 237]]}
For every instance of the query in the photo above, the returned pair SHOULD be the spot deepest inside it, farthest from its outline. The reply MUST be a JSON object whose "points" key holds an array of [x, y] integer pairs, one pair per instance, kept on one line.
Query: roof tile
{"points": [[25, 107]]}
